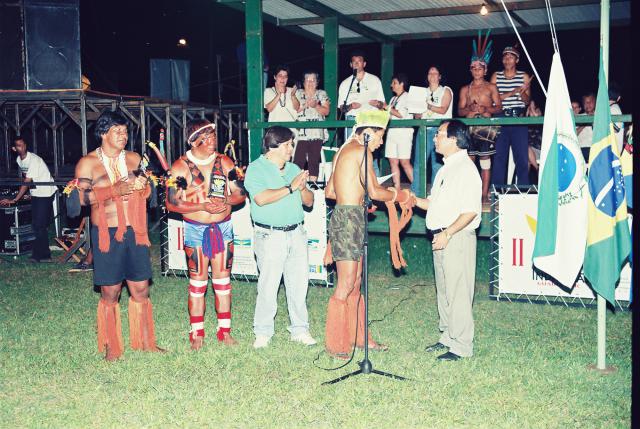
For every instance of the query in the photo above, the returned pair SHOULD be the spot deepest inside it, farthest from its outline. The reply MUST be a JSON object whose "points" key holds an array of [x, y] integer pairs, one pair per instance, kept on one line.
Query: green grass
{"points": [[529, 368]]}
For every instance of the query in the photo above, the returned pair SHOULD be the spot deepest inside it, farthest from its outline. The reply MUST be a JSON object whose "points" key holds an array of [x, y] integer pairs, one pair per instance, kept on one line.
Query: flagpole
{"points": [[602, 306]]}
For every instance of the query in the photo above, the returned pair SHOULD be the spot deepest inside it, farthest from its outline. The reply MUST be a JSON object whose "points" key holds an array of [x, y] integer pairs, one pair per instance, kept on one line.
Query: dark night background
{"points": [[119, 37]]}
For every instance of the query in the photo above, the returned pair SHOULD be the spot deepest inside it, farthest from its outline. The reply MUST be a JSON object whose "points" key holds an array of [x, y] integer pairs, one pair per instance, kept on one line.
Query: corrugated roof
{"points": [[409, 19]]}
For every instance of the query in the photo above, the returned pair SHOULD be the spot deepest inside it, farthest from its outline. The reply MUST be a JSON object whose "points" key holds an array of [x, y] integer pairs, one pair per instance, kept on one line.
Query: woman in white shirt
{"points": [[314, 106], [279, 100], [439, 105], [399, 140]]}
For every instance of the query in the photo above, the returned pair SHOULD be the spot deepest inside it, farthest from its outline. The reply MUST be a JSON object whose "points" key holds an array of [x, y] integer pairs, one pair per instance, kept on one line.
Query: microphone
{"points": [[355, 72], [367, 138]]}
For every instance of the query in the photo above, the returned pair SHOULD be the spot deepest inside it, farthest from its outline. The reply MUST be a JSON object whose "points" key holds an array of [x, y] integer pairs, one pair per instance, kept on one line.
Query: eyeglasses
{"points": [[358, 87], [432, 100], [208, 136]]}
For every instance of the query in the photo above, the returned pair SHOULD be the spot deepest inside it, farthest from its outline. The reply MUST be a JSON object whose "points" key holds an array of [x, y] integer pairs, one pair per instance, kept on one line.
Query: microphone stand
{"points": [[366, 367], [343, 107]]}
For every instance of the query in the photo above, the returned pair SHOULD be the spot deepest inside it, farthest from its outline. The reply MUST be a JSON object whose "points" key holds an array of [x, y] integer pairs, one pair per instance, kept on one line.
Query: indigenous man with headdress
{"points": [[110, 181], [204, 189], [480, 99], [515, 95], [345, 313]]}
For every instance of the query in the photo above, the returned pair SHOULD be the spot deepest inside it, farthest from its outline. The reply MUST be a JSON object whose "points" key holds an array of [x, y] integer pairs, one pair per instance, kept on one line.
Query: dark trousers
{"points": [[308, 151], [41, 214], [517, 138]]}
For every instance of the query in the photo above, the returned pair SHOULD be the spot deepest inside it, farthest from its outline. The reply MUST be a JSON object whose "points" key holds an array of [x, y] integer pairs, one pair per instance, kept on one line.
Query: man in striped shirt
{"points": [[515, 93]]}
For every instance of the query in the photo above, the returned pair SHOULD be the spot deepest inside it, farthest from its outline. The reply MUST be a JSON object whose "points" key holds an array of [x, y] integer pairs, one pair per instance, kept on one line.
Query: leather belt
{"points": [[279, 228], [437, 230]]}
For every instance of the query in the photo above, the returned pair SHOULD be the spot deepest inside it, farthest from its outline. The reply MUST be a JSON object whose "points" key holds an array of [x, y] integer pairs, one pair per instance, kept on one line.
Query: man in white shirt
{"points": [[364, 94], [34, 169], [453, 215]]}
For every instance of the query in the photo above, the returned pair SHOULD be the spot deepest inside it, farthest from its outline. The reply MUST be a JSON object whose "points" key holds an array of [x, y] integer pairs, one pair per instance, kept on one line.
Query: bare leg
{"points": [[485, 175], [395, 170], [408, 168], [111, 294], [348, 272], [198, 279], [221, 269]]}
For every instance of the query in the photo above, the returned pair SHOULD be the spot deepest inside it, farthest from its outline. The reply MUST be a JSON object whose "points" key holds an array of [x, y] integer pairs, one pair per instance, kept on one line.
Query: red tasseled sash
{"points": [[136, 211]]}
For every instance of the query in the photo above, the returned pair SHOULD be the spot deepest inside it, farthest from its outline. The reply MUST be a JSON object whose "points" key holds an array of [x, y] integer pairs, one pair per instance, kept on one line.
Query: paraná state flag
{"points": [[561, 231]]}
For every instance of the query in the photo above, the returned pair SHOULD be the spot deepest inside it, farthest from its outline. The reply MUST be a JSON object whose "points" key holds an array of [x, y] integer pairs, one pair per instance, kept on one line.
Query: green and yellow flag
{"points": [[608, 237]]}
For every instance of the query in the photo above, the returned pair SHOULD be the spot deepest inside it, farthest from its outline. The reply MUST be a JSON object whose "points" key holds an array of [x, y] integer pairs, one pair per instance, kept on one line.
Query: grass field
{"points": [[529, 368]]}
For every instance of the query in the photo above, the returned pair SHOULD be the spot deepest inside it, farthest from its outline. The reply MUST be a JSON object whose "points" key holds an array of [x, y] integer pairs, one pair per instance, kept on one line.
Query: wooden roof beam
{"points": [[443, 11], [354, 25]]}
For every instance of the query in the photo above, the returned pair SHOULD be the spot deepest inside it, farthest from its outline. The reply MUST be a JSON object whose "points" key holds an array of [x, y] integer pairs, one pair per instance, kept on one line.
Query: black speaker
{"points": [[12, 72], [52, 44], [40, 44]]}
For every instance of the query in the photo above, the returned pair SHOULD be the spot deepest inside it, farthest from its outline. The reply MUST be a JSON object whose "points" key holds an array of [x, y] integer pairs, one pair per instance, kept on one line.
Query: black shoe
{"points": [[38, 261], [449, 356], [81, 267], [435, 347]]}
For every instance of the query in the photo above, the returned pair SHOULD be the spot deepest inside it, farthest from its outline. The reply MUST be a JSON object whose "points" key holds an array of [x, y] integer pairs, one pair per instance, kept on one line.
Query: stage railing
{"points": [[422, 145]]}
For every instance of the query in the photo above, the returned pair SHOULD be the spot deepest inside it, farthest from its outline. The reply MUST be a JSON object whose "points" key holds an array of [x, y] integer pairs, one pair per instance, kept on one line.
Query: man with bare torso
{"points": [[109, 180], [204, 194], [345, 313], [480, 99]]}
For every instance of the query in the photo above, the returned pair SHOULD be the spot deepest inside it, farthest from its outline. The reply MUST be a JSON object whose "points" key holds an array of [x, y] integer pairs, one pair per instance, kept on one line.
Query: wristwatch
{"points": [[446, 233], [289, 188]]}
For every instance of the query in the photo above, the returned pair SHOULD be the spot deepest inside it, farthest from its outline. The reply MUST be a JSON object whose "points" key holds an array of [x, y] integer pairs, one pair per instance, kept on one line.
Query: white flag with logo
{"points": [[561, 231]]}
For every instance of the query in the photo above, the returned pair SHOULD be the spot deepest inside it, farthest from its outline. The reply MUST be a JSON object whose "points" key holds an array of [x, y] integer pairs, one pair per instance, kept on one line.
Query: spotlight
{"points": [[182, 43], [484, 10]]}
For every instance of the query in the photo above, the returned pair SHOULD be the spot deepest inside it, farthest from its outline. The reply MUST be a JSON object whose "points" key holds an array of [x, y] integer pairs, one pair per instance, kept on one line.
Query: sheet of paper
{"points": [[417, 101], [383, 179]]}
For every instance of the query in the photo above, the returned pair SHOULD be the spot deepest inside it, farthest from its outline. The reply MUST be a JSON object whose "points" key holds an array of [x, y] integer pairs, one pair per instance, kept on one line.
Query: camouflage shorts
{"points": [[346, 233]]}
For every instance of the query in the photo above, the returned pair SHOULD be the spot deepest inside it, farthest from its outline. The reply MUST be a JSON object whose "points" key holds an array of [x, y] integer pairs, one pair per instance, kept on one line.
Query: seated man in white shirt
{"points": [[34, 169]]}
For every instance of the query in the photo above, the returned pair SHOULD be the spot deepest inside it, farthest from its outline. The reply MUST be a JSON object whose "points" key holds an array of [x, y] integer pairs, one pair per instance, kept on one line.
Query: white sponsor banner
{"points": [[517, 224], [244, 263]]}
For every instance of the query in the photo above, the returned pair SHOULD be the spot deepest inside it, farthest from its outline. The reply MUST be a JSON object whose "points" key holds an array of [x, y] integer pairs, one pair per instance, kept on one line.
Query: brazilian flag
{"points": [[608, 236]]}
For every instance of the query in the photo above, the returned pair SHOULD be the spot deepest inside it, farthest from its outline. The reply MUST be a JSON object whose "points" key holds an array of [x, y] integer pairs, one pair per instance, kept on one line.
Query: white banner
{"points": [[244, 263], [517, 224]]}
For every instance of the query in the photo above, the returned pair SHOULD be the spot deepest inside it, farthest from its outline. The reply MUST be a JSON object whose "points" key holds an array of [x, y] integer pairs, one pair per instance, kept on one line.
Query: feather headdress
{"points": [[482, 49]]}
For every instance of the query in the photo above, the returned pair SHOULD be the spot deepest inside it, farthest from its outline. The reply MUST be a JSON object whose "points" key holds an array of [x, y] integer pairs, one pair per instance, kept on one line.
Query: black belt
{"points": [[437, 230], [513, 111], [279, 228]]}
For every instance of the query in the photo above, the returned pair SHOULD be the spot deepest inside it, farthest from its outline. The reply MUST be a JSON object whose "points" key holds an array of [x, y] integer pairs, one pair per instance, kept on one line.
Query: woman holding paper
{"points": [[439, 105], [399, 140]]}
